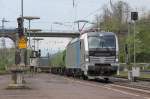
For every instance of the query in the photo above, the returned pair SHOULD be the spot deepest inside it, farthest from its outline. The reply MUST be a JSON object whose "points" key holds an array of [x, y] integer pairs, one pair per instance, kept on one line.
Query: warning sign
{"points": [[22, 43]]}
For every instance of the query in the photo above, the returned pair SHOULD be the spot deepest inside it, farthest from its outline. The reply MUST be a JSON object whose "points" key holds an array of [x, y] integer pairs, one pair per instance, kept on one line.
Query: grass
{"points": [[2, 72], [145, 76], [142, 75]]}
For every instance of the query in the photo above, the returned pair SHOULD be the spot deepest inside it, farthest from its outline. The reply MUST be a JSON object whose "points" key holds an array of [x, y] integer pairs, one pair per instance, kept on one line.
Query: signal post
{"points": [[18, 69], [135, 71]]}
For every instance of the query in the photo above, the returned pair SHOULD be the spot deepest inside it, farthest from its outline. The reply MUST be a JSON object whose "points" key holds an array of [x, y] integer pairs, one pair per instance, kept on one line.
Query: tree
{"points": [[115, 19]]}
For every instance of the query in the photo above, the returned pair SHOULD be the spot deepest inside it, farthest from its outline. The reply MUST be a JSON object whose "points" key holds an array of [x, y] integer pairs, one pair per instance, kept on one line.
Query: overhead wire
{"points": [[93, 12]]}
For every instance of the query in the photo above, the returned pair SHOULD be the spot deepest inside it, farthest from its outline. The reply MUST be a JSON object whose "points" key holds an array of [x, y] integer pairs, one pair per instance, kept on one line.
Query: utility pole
{"points": [[3, 41], [75, 12], [129, 45], [98, 24], [22, 50], [134, 43], [3, 30]]}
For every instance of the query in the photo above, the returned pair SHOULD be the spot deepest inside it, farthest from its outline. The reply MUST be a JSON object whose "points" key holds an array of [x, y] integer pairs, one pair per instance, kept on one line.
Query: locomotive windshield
{"points": [[107, 41]]}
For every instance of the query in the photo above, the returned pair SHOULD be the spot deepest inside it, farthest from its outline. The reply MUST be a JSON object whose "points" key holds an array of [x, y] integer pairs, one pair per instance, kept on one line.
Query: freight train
{"points": [[92, 55]]}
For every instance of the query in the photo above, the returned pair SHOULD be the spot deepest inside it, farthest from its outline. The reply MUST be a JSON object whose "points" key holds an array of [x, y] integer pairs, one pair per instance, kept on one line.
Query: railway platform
{"points": [[49, 86]]}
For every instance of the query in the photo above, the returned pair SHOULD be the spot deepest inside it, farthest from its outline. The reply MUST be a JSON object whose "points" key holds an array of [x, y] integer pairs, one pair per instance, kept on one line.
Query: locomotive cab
{"points": [[100, 54]]}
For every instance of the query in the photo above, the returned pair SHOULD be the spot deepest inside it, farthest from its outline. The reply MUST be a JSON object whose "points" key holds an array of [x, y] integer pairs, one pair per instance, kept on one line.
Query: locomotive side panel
{"points": [[73, 55]]}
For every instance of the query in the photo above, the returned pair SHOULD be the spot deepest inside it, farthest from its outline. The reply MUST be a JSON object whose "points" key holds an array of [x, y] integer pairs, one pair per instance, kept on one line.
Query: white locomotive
{"points": [[92, 55]]}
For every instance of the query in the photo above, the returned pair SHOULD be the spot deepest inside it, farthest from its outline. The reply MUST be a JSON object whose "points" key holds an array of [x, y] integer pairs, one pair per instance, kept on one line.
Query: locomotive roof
{"points": [[98, 33], [73, 41]]}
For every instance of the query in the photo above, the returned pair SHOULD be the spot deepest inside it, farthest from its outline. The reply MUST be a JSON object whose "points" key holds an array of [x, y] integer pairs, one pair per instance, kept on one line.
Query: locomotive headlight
{"points": [[117, 60], [87, 59]]}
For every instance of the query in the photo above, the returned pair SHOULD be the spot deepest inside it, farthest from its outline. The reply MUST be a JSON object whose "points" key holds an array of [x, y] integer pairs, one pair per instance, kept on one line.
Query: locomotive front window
{"points": [[101, 41]]}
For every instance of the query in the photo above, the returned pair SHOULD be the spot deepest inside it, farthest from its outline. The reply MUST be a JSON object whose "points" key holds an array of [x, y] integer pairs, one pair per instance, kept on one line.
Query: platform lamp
{"points": [[34, 31], [29, 18], [38, 39]]}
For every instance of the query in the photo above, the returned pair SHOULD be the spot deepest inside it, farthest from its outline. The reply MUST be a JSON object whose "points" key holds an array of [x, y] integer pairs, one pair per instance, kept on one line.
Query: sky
{"points": [[52, 11]]}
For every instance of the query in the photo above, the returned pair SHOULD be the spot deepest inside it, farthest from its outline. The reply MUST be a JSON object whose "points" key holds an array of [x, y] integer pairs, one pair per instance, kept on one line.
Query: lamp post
{"points": [[38, 39], [3, 40], [34, 31], [29, 18], [39, 53], [3, 30]]}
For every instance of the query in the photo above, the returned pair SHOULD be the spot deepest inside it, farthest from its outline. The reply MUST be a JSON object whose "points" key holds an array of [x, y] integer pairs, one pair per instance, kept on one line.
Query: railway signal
{"points": [[134, 16], [127, 54], [39, 53], [135, 70], [22, 42], [20, 27]]}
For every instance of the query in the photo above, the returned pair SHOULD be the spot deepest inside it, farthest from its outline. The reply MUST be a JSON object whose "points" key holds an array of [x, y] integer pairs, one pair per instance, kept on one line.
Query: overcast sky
{"points": [[57, 10], [51, 11]]}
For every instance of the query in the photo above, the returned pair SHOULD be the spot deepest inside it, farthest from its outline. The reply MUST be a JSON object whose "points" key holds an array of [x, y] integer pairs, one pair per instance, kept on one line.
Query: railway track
{"points": [[144, 87], [141, 87], [140, 79], [117, 83], [138, 84], [121, 86]]}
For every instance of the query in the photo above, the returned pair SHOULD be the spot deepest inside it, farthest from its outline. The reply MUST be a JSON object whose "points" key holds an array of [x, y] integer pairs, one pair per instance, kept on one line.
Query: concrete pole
{"points": [[22, 63], [29, 33], [134, 43], [3, 30], [34, 41], [3, 40], [129, 57]]}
